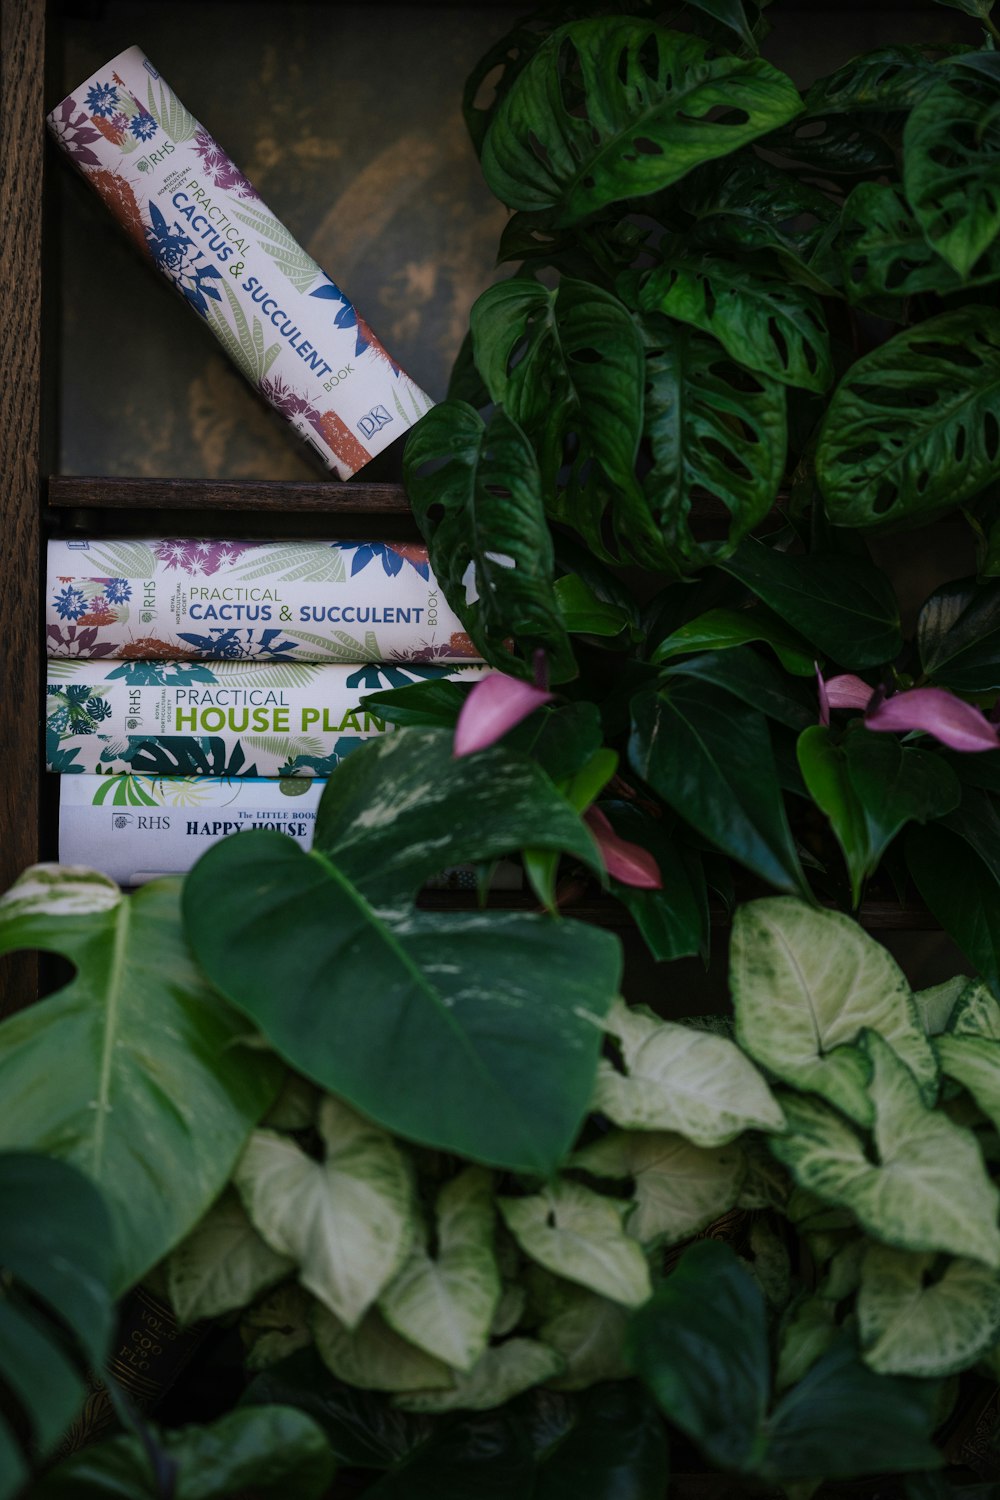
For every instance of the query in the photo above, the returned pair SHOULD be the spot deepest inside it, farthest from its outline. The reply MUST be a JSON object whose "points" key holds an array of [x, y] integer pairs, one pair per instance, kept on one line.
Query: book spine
{"points": [[216, 718], [184, 599], [192, 213]]}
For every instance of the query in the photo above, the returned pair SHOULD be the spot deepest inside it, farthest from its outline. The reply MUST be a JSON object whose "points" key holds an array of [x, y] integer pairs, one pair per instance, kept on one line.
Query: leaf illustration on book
{"points": [[285, 562], [122, 559], [283, 744], [283, 249], [272, 675], [162, 673], [343, 647], [178, 755], [57, 759], [171, 116], [60, 670], [244, 348], [124, 791]]}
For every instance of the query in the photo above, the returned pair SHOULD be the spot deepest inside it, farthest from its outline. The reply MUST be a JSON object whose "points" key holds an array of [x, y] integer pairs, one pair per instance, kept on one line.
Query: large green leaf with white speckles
{"points": [[129, 1069]]}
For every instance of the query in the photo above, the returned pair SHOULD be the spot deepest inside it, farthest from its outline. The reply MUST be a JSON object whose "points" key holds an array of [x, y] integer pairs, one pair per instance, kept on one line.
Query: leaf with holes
{"points": [[915, 1321], [912, 430], [885, 256], [476, 493], [714, 431], [762, 322], [616, 108], [130, 1067], [886, 80], [951, 166]]}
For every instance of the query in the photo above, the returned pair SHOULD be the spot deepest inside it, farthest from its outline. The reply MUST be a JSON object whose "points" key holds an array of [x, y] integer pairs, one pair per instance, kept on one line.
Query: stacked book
{"points": [[198, 688]]}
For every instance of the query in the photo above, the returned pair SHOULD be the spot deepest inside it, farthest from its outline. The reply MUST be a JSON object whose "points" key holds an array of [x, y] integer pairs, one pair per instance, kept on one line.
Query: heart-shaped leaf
{"points": [[912, 1322], [616, 108], [722, 629], [223, 1264], [823, 764], [462, 997], [951, 165], [575, 1232], [974, 1062], [588, 1331], [897, 784], [912, 430], [677, 1188], [123, 1071], [502, 1372]]}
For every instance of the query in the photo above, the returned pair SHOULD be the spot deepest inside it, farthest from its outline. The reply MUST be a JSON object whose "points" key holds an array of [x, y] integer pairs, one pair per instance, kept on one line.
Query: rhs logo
{"points": [[376, 418]]}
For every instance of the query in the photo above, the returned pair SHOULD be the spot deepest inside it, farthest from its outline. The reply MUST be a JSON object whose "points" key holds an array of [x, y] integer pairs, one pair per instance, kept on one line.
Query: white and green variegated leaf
{"points": [[445, 1303], [59, 892], [914, 1323], [223, 1264], [936, 1004], [497, 1376], [347, 1221], [577, 1233], [929, 1189], [974, 1062], [805, 982], [375, 1357], [123, 559], [588, 1331], [976, 1012], [277, 1326], [677, 1189], [682, 1079], [510, 1309], [806, 1333], [288, 562]]}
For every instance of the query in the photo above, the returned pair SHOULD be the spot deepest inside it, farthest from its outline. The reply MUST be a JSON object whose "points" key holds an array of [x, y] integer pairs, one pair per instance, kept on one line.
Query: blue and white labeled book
{"points": [[220, 718], [182, 598]]}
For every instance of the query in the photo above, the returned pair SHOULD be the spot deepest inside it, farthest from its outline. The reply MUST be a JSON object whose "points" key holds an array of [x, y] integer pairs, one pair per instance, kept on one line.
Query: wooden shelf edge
{"points": [[73, 492]]}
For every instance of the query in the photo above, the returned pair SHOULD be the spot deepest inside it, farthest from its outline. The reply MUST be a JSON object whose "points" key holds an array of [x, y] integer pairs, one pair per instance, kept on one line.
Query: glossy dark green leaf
{"points": [[912, 430], [390, 994], [701, 1346], [824, 769], [752, 679], [885, 256], [832, 145], [714, 430], [674, 920], [897, 784], [483, 1454], [951, 165], [980, 9], [709, 757], [616, 108], [732, 13], [844, 605], [888, 78], [961, 892], [435, 704], [583, 612], [959, 637], [722, 629], [476, 493], [273, 1450], [615, 1450], [976, 819], [763, 322]]}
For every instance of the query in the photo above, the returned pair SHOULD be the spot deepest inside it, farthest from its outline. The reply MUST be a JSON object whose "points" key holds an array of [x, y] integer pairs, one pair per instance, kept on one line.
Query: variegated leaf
{"points": [[914, 1323], [374, 1357], [223, 1264], [678, 1188], [497, 1376], [577, 1233]]}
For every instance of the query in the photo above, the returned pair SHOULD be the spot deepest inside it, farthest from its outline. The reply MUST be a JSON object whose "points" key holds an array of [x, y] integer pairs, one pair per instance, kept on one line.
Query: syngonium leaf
{"points": [[346, 1221], [620, 109], [124, 1070], [588, 1331], [501, 1372], [577, 1233], [375, 1357], [974, 1062], [804, 984], [476, 492], [445, 1302], [223, 1264], [951, 166], [975, 1013], [677, 1188], [912, 431], [912, 1321], [390, 994], [927, 1188], [682, 1079], [57, 1308]]}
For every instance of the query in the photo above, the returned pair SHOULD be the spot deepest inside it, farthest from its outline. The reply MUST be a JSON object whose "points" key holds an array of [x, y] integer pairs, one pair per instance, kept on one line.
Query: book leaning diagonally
{"points": [[183, 598], [218, 718]]}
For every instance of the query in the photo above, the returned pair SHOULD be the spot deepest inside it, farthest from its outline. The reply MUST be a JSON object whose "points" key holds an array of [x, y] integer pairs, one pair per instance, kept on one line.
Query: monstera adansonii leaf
{"points": [[615, 108], [476, 492], [951, 165], [130, 1069], [57, 1311], [912, 429], [475, 1032]]}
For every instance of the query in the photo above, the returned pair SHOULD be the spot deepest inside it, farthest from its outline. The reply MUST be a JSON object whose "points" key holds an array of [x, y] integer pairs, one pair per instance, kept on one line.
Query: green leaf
{"points": [[911, 431], [843, 605], [124, 1070], [682, 1079], [677, 1188], [936, 1004], [444, 1303], [577, 1233], [805, 1336], [976, 1011], [584, 612], [884, 255], [56, 1261], [674, 920], [980, 9], [962, 893], [375, 1357], [752, 679], [897, 784], [390, 993], [959, 637], [951, 166], [886, 80], [621, 108], [913, 1322], [804, 983], [762, 322], [731, 13], [223, 1264], [433, 705], [974, 1062], [502, 1372], [710, 758], [588, 1332], [823, 763], [722, 629], [476, 493], [615, 1450], [713, 429], [929, 1190], [273, 1449]]}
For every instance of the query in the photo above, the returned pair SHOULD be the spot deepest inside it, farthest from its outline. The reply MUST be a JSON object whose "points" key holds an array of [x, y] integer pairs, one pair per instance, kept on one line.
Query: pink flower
{"points": [[845, 691], [957, 724], [494, 706], [629, 863]]}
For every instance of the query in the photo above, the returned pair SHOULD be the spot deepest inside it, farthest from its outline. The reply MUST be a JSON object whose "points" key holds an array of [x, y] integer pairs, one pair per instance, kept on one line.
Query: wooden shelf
{"points": [[330, 497]]}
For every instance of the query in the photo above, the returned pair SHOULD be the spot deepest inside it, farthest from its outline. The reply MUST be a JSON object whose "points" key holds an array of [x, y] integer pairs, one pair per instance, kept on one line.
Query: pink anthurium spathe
{"points": [[494, 706], [845, 691], [957, 724], [627, 862]]}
